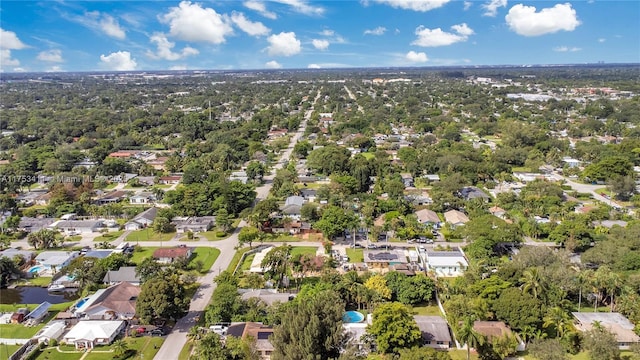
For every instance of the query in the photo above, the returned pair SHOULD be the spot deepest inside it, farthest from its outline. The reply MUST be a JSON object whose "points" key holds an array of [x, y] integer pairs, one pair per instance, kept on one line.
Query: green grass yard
{"points": [[142, 253], [236, 258], [207, 255], [110, 236], [7, 350], [303, 250], [149, 235], [355, 255], [246, 264], [426, 309]]}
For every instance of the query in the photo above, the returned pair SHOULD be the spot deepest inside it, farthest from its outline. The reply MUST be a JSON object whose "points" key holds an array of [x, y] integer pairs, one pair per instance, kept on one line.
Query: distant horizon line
{"points": [[432, 67]]}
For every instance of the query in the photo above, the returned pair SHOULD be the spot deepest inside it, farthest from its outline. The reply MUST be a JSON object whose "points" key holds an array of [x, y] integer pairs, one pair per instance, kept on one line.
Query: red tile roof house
{"points": [[169, 255]]}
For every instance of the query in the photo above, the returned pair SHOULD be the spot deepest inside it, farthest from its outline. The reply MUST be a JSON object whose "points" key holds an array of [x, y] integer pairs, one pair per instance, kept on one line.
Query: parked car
{"points": [[356, 246], [372, 246]]}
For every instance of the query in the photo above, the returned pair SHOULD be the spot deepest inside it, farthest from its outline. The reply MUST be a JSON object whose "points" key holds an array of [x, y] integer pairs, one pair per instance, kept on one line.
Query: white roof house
{"points": [[447, 263], [619, 325], [56, 259], [87, 334], [52, 331]]}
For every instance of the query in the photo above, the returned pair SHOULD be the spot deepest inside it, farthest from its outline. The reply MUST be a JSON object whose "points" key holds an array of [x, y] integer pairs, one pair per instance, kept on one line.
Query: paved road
{"points": [[588, 188], [353, 97], [176, 340]]}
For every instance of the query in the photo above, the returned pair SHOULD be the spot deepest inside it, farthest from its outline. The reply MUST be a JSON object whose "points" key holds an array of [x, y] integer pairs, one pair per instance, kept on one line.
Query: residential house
{"points": [[117, 302], [88, 334], [169, 255], [292, 206], [446, 263], [426, 216], [55, 260], [432, 177], [52, 331], [78, 226], [27, 255], [158, 162], [472, 193], [455, 218], [147, 180], [29, 224], [38, 314], [112, 197], [616, 323], [493, 329], [32, 197], [98, 253], [194, 224], [407, 179], [435, 331], [497, 212], [381, 259], [257, 331], [124, 274], [170, 180], [239, 176], [309, 194], [18, 316], [142, 220], [268, 296], [572, 163], [142, 198]]}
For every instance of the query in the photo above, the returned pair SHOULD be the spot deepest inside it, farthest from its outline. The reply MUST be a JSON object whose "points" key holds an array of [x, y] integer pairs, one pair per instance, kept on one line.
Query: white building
{"points": [[52, 331], [88, 334], [446, 263]]}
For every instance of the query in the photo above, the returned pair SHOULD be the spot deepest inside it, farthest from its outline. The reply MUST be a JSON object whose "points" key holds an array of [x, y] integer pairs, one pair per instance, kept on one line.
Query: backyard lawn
{"points": [[110, 236], [19, 331], [246, 264], [149, 235], [139, 348], [207, 255], [236, 258], [39, 281], [426, 309], [355, 255], [7, 350], [142, 253], [303, 250]]}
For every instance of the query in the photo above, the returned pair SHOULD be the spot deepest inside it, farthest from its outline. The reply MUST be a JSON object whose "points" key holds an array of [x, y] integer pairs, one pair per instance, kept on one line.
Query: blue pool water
{"points": [[352, 317], [35, 269], [81, 302]]}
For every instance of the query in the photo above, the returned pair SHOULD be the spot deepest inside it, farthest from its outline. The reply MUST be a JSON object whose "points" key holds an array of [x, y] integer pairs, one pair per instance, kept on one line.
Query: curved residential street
{"points": [[176, 340]]}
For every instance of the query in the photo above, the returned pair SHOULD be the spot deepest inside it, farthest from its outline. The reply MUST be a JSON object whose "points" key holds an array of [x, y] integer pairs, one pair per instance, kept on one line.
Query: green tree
{"points": [[533, 282], [378, 284], [557, 318], [43, 239], [248, 235], [147, 269], [310, 328], [162, 297], [225, 304], [422, 353], [336, 220], [601, 344], [120, 348], [222, 219], [8, 268], [162, 225], [547, 349], [276, 263], [394, 328], [518, 309], [469, 336]]}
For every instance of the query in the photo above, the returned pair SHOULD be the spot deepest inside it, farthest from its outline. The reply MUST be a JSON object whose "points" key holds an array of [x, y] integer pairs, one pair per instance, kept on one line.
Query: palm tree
{"points": [[582, 279], [558, 318], [468, 335], [120, 348], [532, 281], [194, 334], [613, 285]]}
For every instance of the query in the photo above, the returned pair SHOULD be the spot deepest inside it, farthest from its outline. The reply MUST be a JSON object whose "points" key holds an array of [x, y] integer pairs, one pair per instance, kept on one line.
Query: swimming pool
{"points": [[352, 317], [36, 269], [81, 302]]}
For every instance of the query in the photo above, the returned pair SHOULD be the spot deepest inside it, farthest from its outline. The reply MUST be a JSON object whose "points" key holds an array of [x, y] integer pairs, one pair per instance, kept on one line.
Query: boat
{"points": [[56, 287]]}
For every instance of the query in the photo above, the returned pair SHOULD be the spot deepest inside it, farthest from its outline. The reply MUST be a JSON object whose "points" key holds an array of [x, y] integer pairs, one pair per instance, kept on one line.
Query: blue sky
{"points": [[253, 34]]}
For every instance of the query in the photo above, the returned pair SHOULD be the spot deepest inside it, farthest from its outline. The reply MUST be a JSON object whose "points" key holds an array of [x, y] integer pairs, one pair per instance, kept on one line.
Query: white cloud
{"points": [[467, 5], [283, 44], [302, 7], [524, 20], [164, 49], [327, 32], [103, 23], [492, 7], [192, 22], [377, 31], [415, 5], [601, 40], [111, 27], [416, 57], [248, 26], [9, 40], [437, 37], [51, 56], [119, 61], [313, 66], [178, 67], [260, 8], [566, 49], [272, 65], [320, 44], [6, 59], [55, 68], [19, 69]]}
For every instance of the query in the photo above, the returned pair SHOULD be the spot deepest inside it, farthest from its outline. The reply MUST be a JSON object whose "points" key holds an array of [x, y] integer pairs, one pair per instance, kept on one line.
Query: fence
{"points": [[252, 251]]}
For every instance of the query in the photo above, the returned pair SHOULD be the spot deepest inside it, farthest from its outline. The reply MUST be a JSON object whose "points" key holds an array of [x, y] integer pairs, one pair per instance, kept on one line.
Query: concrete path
{"points": [[177, 339]]}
